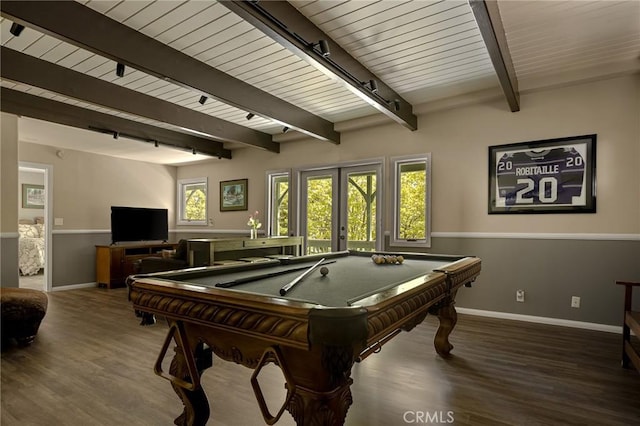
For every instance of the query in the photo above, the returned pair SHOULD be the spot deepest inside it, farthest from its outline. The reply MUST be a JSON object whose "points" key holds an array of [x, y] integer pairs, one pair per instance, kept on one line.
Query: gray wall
{"points": [[74, 257], [9, 261], [550, 272]]}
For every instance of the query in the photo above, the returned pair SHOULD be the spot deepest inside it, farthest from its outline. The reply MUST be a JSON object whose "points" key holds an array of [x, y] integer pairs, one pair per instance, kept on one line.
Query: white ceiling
{"points": [[62, 138], [424, 50]]}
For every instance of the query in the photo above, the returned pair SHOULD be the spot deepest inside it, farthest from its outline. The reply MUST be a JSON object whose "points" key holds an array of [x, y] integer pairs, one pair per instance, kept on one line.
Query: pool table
{"points": [[314, 333]]}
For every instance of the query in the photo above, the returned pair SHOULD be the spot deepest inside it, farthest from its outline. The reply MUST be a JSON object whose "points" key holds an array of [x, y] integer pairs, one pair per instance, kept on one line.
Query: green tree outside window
{"points": [[195, 202]]}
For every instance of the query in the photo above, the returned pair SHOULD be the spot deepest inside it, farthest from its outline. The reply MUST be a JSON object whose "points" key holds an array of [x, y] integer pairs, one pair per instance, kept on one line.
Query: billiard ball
{"points": [[324, 271]]}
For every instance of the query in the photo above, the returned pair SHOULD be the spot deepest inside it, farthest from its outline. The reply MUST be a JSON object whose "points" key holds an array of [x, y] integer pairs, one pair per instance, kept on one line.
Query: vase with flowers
{"points": [[254, 224]]}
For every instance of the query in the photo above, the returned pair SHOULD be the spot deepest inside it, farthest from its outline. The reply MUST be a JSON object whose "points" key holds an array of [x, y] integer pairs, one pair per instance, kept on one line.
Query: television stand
{"points": [[114, 263]]}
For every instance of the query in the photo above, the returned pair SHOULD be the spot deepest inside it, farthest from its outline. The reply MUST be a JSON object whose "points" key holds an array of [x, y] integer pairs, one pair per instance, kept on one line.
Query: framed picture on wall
{"points": [[546, 176], [233, 195], [32, 196]]}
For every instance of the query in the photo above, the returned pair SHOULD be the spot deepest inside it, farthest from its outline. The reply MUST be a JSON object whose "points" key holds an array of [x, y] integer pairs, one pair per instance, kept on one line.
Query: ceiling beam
{"points": [[294, 31], [24, 104], [26, 69], [83, 27], [489, 22]]}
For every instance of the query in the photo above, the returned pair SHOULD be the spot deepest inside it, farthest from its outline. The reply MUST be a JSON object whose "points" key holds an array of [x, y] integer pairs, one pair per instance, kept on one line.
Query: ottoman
{"points": [[22, 311]]}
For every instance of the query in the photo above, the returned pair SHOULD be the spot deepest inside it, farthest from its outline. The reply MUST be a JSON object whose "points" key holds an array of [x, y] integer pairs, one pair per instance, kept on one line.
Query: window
{"points": [[412, 201], [279, 193], [192, 201]]}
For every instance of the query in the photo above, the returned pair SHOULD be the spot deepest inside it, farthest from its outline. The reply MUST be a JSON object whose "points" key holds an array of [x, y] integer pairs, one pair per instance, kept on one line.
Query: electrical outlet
{"points": [[575, 301], [519, 295]]}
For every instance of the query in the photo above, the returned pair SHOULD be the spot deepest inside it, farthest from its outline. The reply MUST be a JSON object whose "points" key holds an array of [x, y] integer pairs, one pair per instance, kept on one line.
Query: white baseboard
{"points": [[73, 286], [542, 320]]}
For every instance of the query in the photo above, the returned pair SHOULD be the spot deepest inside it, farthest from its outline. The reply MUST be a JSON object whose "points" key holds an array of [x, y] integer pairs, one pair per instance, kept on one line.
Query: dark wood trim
{"points": [[489, 22], [631, 323], [83, 27], [290, 28], [21, 103], [26, 69]]}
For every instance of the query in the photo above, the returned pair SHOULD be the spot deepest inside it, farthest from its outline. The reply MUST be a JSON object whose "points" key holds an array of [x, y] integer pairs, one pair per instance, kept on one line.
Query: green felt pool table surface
{"points": [[351, 279]]}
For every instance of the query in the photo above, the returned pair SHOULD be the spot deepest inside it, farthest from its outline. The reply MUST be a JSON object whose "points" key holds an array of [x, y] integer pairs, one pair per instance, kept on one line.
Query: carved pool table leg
{"points": [[196, 406], [311, 408], [448, 317], [147, 318]]}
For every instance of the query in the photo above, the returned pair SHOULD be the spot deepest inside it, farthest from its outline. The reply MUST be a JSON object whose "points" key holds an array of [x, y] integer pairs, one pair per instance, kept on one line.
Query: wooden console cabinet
{"points": [[205, 251], [115, 263]]}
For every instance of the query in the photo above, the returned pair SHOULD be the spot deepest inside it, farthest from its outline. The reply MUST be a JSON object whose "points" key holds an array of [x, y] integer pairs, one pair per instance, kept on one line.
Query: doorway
{"points": [[34, 225], [340, 208]]}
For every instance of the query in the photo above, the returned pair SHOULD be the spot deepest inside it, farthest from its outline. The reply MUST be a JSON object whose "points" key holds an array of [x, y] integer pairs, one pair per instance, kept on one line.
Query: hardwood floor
{"points": [[92, 364]]}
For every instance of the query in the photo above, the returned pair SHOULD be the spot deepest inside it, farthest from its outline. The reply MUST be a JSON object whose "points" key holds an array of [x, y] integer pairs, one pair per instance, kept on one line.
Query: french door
{"points": [[340, 208]]}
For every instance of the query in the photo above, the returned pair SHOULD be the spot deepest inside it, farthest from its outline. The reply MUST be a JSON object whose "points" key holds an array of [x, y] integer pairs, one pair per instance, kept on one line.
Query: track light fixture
{"points": [[117, 135], [316, 49], [323, 47], [120, 70], [194, 151], [202, 100], [285, 129], [250, 116], [16, 29], [396, 105]]}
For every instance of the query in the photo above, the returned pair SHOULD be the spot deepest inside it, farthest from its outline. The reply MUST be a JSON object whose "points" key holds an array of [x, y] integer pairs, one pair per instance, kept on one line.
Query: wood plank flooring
{"points": [[92, 364]]}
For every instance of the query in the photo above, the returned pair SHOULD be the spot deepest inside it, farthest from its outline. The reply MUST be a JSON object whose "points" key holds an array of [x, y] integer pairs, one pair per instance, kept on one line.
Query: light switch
{"points": [[58, 221]]}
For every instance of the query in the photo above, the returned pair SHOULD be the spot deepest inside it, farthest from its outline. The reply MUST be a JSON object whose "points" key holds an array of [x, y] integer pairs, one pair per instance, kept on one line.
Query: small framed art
{"points": [[546, 176], [233, 195], [32, 196]]}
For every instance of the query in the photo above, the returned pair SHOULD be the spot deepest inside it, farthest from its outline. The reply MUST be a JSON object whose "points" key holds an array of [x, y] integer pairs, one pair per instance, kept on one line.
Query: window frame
{"points": [[270, 208], [396, 163], [180, 201]]}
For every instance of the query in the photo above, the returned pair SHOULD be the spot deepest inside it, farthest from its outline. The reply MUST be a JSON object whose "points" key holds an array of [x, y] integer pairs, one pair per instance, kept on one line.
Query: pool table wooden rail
{"points": [[285, 320], [273, 319]]}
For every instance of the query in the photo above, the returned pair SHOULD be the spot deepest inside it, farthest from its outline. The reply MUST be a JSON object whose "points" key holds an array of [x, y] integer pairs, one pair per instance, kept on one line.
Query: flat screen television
{"points": [[139, 224]]}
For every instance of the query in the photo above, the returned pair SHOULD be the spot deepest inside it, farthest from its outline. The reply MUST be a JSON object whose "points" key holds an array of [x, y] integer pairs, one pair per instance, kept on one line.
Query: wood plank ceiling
{"points": [[417, 52]]}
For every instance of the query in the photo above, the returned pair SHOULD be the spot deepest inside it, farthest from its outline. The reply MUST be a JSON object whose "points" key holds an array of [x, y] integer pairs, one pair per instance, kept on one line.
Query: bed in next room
{"points": [[31, 246]]}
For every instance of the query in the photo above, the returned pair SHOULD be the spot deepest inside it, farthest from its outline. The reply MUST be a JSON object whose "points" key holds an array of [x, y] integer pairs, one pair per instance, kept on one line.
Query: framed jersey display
{"points": [[547, 176]]}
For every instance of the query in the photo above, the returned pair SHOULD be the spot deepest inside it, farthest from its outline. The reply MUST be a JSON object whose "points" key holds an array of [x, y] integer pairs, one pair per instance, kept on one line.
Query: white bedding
{"points": [[30, 248]]}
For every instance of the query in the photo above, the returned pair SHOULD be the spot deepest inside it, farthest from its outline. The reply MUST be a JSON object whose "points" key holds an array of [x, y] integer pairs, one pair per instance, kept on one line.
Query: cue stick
{"points": [[245, 280], [288, 287]]}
